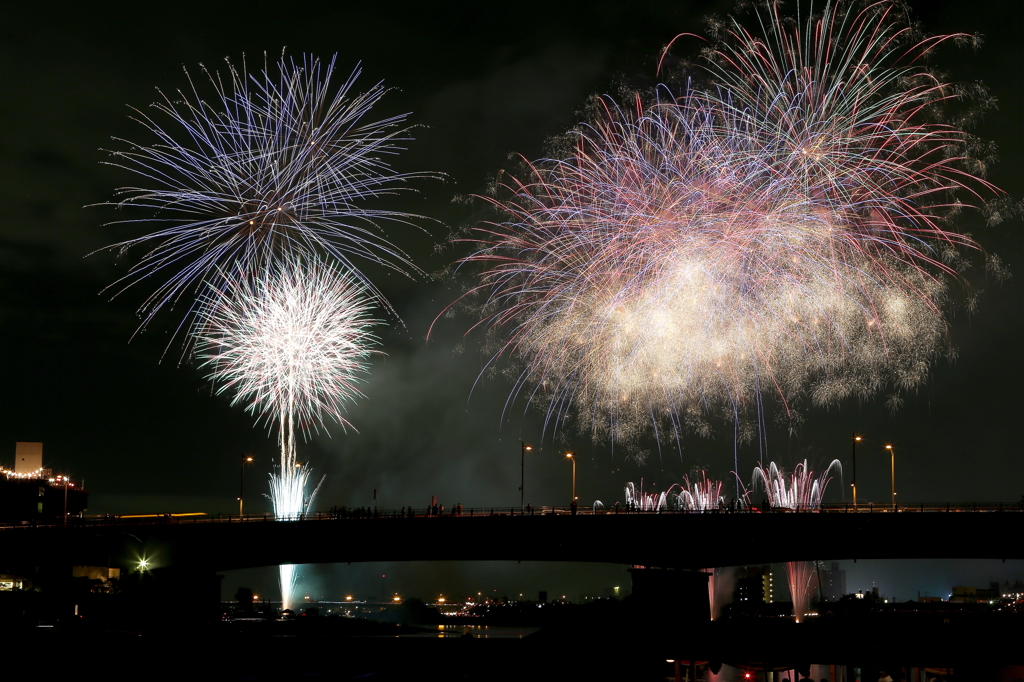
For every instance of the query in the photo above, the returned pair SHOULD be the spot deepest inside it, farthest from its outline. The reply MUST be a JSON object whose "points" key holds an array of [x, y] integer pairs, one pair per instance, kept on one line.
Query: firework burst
{"points": [[776, 235], [272, 164], [292, 345]]}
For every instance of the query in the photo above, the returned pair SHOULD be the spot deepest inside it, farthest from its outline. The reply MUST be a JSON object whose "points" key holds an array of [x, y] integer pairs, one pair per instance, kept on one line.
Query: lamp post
{"points": [[892, 464], [854, 484], [241, 482], [65, 500], [522, 475], [569, 455]]}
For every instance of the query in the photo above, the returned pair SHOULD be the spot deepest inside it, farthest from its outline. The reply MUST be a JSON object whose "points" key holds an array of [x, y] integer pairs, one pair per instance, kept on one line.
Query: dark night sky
{"points": [[149, 436]]}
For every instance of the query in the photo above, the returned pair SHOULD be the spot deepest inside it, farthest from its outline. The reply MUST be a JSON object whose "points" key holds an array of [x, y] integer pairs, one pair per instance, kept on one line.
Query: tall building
{"points": [[28, 458], [754, 585], [30, 491], [833, 583]]}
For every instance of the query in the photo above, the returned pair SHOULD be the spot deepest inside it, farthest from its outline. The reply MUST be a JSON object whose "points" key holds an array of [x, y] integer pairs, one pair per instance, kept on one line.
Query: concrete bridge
{"points": [[678, 540]]}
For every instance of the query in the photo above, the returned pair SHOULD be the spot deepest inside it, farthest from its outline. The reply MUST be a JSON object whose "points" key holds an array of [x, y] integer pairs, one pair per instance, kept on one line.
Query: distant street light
{"points": [[569, 455], [854, 484], [241, 482], [892, 464], [522, 475], [65, 498]]}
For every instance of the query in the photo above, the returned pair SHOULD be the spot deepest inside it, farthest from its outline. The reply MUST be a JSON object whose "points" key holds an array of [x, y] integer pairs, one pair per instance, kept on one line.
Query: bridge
{"points": [[665, 539]]}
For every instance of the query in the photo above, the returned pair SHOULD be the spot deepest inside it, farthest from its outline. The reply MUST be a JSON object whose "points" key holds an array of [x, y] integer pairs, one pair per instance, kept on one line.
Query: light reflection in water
{"points": [[477, 632], [729, 673]]}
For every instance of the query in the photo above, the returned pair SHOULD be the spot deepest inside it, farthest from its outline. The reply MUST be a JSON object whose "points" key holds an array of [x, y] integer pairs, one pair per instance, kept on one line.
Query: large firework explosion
{"points": [[291, 344], [273, 163], [779, 234]]}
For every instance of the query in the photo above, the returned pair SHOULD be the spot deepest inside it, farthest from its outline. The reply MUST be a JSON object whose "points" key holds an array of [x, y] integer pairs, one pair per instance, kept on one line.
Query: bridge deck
{"points": [[684, 540]]}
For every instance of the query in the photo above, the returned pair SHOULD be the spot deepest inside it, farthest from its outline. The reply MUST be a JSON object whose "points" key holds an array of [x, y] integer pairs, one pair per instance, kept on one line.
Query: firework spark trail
{"points": [[638, 500], [720, 588], [798, 575], [272, 165], [780, 234], [292, 345], [801, 490], [700, 495], [288, 495]]}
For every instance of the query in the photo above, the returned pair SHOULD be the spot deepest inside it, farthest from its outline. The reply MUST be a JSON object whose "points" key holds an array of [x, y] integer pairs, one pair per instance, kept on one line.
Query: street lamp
{"points": [[569, 455], [241, 482], [892, 464], [854, 484], [65, 479], [522, 475]]}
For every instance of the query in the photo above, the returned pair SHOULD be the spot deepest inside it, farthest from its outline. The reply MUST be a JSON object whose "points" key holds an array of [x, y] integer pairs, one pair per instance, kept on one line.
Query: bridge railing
{"points": [[364, 513]]}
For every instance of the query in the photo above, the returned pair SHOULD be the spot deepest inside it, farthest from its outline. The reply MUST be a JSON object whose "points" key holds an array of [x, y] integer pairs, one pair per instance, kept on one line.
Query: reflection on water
{"points": [[731, 674], [478, 631], [822, 673]]}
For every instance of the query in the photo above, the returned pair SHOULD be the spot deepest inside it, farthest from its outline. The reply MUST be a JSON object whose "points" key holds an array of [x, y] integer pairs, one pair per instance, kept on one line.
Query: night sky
{"points": [[149, 436]]}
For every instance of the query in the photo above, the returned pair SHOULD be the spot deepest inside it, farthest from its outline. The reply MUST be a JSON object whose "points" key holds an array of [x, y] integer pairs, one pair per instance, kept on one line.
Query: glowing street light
{"points": [[522, 474], [65, 480], [569, 455], [241, 482], [854, 484], [892, 463]]}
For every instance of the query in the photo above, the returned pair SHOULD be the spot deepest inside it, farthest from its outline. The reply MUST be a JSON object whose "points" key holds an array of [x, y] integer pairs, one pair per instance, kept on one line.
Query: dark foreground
{"points": [[633, 651]]}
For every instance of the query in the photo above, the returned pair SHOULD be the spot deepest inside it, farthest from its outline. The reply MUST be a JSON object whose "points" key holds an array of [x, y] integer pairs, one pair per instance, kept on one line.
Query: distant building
{"points": [[754, 585], [871, 596], [30, 491], [11, 582], [1014, 591], [833, 583], [965, 594]]}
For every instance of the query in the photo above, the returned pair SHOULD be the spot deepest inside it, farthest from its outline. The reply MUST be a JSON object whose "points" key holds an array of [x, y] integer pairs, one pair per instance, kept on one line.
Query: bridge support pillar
{"points": [[167, 598], [683, 594]]}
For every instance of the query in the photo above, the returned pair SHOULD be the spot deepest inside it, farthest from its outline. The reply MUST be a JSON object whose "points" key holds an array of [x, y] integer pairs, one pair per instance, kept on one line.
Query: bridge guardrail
{"points": [[364, 513]]}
